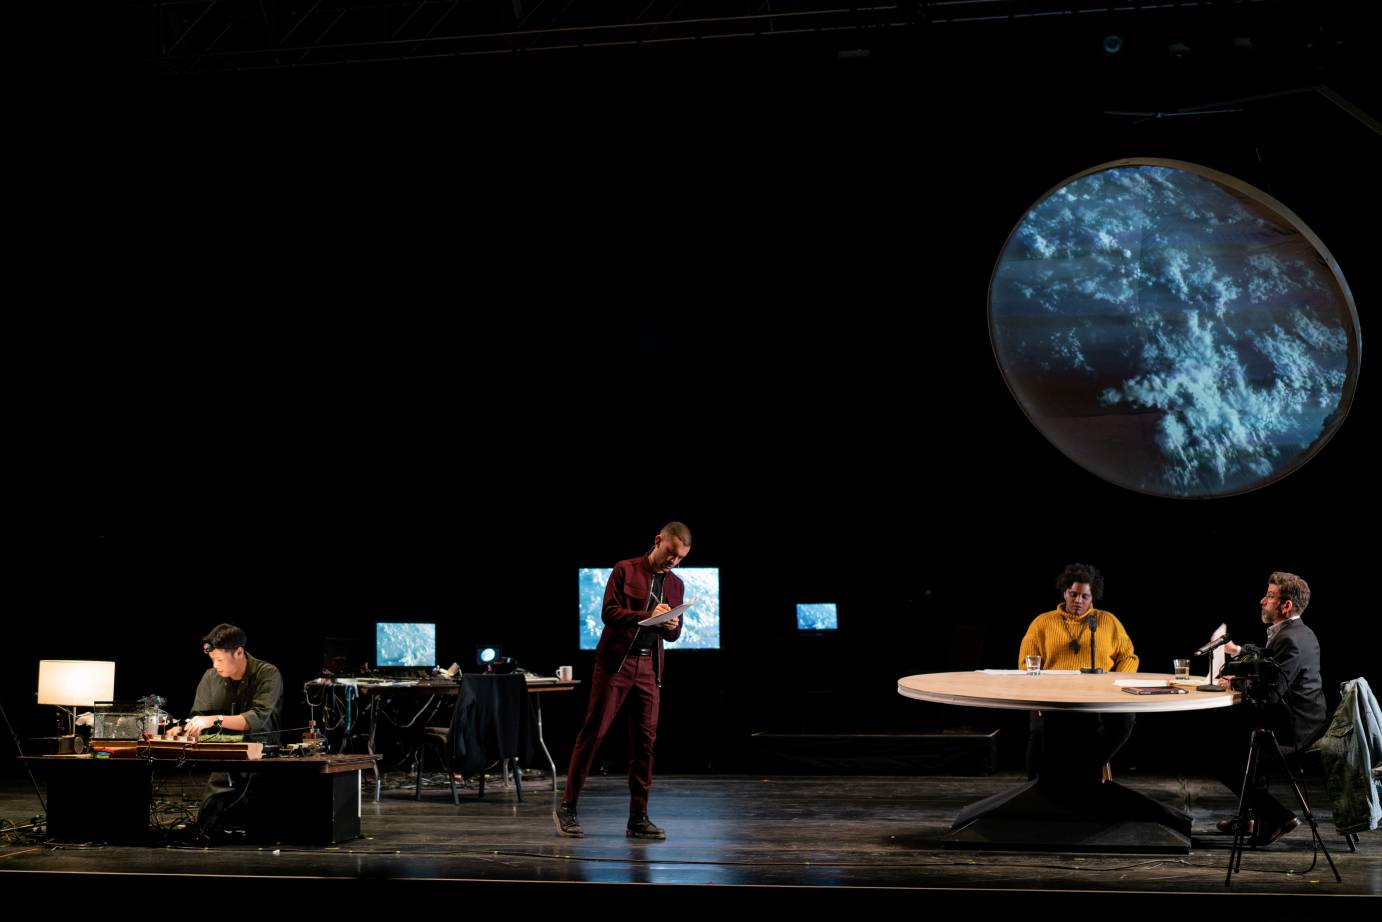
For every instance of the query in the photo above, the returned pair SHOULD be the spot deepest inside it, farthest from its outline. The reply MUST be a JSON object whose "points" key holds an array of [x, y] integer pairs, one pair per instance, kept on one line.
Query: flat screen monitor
{"points": [[817, 616], [405, 644]]}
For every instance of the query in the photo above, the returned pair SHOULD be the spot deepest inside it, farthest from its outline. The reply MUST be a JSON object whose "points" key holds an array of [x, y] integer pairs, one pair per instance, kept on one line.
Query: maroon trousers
{"points": [[635, 683]]}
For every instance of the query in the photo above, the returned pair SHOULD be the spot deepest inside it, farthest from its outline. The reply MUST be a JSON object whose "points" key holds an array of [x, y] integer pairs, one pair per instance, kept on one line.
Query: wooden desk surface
{"points": [[326, 765]]}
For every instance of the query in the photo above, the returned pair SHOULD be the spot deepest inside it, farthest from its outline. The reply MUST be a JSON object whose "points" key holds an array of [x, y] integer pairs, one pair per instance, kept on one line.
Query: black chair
{"points": [[1308, 766], [493, 722], [1314, 759], [440, 738]]}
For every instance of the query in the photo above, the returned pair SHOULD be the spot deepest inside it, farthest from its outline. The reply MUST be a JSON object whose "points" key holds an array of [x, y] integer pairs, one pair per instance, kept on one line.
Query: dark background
{"points": [[418, 340]]}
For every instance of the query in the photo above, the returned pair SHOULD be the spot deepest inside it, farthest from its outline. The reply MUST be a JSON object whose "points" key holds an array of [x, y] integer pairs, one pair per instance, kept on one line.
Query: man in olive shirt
{"points": [[238, 695]]}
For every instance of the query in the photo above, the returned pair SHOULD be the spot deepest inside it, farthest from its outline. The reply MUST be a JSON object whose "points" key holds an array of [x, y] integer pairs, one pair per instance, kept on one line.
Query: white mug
{"points": [[564, 673]]}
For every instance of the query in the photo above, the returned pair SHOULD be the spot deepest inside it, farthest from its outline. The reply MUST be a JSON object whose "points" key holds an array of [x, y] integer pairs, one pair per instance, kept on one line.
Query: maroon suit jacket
{"points": [[626, 604]]}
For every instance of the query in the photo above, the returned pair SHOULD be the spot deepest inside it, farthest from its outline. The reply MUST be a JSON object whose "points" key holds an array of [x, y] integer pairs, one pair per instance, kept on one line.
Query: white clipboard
{"points": [[668, 615]]}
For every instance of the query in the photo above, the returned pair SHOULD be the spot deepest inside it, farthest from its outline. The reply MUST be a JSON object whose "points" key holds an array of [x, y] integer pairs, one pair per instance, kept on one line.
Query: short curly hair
{"points": [[1291, 588], [1081, 573]]}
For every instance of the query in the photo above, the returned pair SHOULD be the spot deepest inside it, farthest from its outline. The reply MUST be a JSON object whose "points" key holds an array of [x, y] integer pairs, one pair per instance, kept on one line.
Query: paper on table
{"points": [[668, 615], [1218, 656]]}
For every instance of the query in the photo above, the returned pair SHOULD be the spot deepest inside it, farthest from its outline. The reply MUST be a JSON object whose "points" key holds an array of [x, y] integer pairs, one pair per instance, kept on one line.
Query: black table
{"points": [[307, 800]]}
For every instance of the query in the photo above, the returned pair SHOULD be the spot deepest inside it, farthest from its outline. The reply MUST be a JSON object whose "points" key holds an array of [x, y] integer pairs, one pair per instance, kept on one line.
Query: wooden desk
{"points": [[309, 800]]}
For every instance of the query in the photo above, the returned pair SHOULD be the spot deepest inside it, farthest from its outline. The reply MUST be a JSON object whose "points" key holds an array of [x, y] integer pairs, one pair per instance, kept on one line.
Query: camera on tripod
{"points": [[1263, 684], [1258, 677]]}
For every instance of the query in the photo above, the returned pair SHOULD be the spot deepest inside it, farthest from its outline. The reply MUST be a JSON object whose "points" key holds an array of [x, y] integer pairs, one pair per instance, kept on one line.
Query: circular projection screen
{"points": [[1173, 330]]}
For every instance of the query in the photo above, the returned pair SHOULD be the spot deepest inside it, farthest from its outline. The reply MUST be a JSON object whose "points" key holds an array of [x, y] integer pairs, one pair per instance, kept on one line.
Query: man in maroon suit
{"points": [[628, 668]]}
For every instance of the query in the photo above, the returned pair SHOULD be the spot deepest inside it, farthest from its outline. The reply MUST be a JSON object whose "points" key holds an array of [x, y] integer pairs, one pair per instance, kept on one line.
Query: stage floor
{"points": [[779, 831]]}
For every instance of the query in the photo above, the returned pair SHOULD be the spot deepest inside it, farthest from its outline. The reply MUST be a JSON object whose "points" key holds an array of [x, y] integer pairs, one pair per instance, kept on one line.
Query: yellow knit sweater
{"points": [[1050, 634]]}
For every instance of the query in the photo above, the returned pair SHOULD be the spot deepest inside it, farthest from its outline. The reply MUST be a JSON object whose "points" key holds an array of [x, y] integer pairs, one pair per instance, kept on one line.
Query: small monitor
{"points": [[817, 616], [405, 644]]}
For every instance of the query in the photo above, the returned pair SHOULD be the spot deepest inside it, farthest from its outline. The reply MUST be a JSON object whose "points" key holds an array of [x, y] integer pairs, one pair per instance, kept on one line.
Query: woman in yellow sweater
{"points": [[1062, 639]]}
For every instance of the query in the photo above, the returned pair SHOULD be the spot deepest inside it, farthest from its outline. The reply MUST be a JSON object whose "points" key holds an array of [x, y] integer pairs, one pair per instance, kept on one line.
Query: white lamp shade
{"points": [[75, 682]]}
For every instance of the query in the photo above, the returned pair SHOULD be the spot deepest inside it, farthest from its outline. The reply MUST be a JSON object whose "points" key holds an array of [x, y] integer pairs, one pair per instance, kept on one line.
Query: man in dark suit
{"points": [[1295, 707], [628, 672]]}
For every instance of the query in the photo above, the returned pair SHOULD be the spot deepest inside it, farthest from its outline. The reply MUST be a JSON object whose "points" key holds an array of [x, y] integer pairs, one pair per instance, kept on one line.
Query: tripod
{"points": [[1253, 774]]}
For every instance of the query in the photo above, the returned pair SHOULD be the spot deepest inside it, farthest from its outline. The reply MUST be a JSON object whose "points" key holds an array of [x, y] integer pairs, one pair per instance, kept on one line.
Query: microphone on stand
{"points": [[1093, 622], [1208, 648], [1214, 644]]}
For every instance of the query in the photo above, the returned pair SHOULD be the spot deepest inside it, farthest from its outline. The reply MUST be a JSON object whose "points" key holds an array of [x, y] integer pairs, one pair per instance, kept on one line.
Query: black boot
{"points": [[565, 818], [640, 827]]}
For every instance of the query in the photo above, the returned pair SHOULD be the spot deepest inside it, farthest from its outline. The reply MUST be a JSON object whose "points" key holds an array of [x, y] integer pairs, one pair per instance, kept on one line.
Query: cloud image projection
{"points": [[700, 629], [1173, 330]]}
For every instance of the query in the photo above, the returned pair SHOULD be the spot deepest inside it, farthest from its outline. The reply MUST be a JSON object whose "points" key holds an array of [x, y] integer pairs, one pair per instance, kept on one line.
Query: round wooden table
{"points": [[1051, 691], [1065, 811]]}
